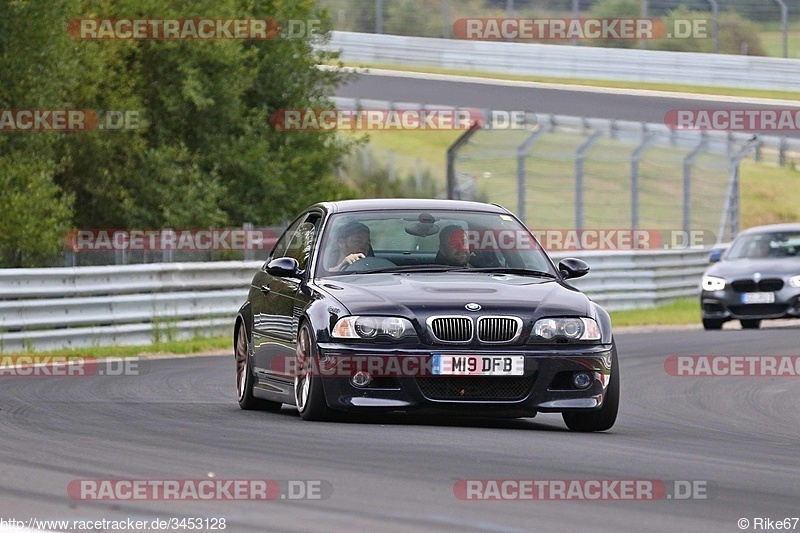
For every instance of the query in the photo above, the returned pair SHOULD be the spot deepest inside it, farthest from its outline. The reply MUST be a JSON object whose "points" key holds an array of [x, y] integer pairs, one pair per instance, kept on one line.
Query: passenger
{"points": [[762, 248], [352, 243], [453, 247]]}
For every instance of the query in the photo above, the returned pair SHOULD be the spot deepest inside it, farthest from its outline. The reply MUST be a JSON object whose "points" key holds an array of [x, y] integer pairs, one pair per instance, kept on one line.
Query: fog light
{"points": [[361, 379], [581, 380]]}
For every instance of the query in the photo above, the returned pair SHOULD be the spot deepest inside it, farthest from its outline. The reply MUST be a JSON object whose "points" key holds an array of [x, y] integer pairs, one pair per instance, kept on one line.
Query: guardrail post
{"points": [[579, 157], [647, 140], [687, 181], [452, 152], [522, 170]]}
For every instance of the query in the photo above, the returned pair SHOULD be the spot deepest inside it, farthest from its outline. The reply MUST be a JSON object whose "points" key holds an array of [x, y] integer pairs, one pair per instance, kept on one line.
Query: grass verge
{"points": [[679, 312]]}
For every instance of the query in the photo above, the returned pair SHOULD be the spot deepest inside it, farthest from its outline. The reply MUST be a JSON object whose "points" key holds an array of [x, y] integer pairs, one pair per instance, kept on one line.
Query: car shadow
{"points": [[412, 419]]}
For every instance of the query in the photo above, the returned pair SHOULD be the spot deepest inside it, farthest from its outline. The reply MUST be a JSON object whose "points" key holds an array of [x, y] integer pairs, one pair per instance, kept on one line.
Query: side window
{"points": [[301, 245], [283, 242]]}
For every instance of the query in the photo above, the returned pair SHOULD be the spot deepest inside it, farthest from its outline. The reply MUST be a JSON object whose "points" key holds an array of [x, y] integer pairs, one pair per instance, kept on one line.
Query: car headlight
{"points": [[576, 329], [711, 283], [794, 281], [371, 327]]}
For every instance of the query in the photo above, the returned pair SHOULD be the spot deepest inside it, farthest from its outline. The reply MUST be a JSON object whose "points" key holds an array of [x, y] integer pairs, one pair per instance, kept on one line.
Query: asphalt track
{"points": [[459, 91], [178, 419]]}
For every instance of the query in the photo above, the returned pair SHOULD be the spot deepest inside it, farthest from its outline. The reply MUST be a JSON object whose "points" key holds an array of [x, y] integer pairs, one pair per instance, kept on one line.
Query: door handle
{"points": [[265, 289]]}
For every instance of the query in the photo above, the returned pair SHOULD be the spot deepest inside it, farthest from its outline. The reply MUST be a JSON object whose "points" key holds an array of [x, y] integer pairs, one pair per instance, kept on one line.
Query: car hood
{"points": [[424, 294], [746, 268]]}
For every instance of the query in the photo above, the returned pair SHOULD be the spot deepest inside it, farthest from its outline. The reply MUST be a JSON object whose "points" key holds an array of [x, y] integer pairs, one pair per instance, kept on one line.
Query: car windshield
{"points": [[772, 245], [429, 241]]}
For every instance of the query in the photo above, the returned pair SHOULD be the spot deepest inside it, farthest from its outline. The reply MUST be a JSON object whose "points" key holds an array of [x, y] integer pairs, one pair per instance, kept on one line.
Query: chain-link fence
{"points": [[570, 173], [748, 27]]}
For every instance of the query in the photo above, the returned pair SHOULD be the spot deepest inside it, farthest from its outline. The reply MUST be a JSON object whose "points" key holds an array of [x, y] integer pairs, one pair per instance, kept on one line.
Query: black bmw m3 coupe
{"points": [[430, 306]]}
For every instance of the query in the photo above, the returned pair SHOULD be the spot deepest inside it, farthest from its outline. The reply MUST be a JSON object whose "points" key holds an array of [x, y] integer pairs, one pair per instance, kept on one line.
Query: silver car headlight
{"points": [[711, 283], [371, 327], [576, 329], [794, 281]]}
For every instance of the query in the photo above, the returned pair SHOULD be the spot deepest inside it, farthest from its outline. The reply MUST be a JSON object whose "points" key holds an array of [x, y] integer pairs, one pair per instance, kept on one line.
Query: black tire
{"points": [[308, 393], [245, 379], [754, 323], [604, 418], [712, 323]]}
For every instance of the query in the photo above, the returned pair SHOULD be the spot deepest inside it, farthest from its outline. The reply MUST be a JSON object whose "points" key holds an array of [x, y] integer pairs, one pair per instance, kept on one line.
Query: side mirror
{"points": [[715, 256], [284, 267], [572, 268]]}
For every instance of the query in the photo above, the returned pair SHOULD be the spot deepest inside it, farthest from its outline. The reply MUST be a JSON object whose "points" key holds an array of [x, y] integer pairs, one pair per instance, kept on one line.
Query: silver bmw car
{"points": [[757, 278]]}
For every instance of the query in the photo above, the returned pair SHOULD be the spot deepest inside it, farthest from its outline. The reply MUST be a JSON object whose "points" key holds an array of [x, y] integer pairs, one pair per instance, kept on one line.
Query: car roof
{"points": [[793, 226], [349, 206]]}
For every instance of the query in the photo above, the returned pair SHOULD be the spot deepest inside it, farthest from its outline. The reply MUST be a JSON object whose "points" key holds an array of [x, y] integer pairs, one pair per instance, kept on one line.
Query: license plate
{"points": [[758, 298], [478, 365]]}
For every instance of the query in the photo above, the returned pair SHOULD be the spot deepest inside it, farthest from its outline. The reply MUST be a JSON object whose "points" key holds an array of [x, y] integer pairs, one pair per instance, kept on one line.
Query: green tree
{"points": [[34, 212], [205, 153], [616, 9], [736, 34]]}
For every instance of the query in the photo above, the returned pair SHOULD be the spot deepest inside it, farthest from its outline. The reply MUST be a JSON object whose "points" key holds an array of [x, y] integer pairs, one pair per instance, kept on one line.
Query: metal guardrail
{"points": [[53, 308], [647, 66], [630, 280], [48, 309]]}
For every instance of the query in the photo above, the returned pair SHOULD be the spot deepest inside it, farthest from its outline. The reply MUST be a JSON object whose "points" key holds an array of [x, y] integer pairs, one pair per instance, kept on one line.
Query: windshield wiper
{"points": [[510, 270]]}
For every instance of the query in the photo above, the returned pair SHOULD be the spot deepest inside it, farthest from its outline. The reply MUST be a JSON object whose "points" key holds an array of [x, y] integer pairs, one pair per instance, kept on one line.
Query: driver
{"points": [[453, 247], [352, 242]]}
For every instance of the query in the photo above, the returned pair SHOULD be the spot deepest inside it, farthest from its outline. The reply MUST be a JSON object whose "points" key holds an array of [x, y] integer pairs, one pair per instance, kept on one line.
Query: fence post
{"points": [[522, 171], [782, 152], [249, 253], [784, 26], [715, 16], [579, 157], [647, 139], [731, 209], [687, 182], [446, 26], [378, 16], [452, 152], [167, 254]]}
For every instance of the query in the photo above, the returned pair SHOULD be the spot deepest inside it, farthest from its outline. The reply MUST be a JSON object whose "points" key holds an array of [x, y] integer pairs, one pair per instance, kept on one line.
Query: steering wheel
{"points": [[367, 263]]}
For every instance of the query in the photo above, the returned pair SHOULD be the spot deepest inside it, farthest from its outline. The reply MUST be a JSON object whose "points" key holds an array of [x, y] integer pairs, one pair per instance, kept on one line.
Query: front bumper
{"points": [[727, 305], [545, 386]]}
